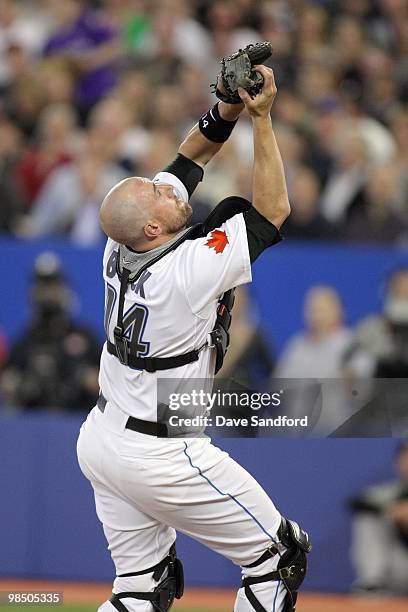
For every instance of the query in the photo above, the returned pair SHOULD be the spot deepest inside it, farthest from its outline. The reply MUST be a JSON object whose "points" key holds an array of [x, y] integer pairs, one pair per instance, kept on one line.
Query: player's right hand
{"points": [[261, 105]]}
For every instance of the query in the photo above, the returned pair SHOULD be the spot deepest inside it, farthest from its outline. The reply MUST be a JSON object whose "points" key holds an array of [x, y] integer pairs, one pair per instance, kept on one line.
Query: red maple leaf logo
{"points": [[218, 241]]}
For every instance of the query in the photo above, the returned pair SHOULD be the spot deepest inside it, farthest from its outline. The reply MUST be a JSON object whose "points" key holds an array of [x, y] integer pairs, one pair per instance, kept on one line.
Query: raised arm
{"points": [[203, 141], [199, 145], [270, 196]]}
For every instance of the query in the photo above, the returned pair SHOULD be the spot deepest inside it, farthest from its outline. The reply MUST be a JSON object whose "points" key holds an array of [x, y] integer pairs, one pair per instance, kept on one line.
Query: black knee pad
{"points": [[170, 588], [291, 567]]}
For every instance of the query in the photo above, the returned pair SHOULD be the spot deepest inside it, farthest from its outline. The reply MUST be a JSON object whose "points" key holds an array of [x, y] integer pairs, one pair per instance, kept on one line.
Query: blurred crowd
{"points": [[93, 91]]}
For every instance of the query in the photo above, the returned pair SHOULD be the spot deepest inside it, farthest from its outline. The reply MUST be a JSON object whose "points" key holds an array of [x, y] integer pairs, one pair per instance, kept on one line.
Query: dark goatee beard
{"points": [[185, 212]]}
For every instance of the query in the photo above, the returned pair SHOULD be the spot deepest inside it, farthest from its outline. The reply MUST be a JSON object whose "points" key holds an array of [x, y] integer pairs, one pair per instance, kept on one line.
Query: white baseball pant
{"points": [[147, 488]]}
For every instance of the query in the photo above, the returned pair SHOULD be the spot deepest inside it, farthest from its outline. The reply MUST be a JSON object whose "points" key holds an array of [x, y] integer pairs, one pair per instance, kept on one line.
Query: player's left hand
{"points": [[237, 70], [261, 104]]}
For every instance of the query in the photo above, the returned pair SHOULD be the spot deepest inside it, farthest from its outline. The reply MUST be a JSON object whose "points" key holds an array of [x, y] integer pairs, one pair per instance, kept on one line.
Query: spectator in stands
{"points": [[227, 26], [166, 104], [54, 363], [24, 27], [277, 23], [53, 148], [378, 219], [380, 534], [195, 91], [293, 146], [174, 37], [23, 102], [109, 125], [56, 80], [379, 347], [312, 31], [222, 176], [348, 45], [90, 44], [162, 145], [133, 18], [69, 203], [347, 177], [305, 221], [133, 91], [317, 351]]}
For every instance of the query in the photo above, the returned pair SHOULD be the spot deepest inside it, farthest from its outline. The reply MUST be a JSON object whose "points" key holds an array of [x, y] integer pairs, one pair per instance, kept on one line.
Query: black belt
{"points": [[150, 428], [152, 364]]}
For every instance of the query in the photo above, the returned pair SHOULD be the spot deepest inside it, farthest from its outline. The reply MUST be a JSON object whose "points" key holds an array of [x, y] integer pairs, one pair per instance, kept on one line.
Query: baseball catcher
{"points": [[168, 300]]}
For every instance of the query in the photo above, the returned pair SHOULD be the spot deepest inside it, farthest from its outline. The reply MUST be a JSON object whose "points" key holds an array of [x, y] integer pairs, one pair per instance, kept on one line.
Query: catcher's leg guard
{"points": [[291, 567], [171, 587]]}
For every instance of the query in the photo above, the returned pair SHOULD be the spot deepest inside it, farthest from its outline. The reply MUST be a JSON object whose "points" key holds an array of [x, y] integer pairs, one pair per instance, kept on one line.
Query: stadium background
{"points": [[77, 116]]}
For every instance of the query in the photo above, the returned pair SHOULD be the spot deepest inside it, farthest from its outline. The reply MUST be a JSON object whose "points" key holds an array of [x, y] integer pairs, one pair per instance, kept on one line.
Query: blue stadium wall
{"points": [[50, 530], [48, 526], [280, 278]]}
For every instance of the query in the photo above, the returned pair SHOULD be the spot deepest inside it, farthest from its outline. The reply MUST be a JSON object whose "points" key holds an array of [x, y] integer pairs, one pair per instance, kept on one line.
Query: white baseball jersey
{"points": [[170, 309]]}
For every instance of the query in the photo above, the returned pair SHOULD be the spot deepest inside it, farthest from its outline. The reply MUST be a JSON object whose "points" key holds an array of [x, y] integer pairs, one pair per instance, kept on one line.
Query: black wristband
{"points": [[214, 127]]}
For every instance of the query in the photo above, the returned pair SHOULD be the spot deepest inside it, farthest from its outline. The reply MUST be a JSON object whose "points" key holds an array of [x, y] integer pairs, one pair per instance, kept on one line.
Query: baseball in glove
{"points": [[237, 71]]}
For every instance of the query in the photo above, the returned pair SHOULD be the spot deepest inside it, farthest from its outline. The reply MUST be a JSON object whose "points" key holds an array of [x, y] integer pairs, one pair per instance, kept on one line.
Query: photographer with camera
{"points": [[380, 533]]}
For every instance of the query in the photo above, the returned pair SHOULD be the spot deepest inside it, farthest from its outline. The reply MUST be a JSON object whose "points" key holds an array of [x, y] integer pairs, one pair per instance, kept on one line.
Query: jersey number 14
{"points": [[134, 322]]}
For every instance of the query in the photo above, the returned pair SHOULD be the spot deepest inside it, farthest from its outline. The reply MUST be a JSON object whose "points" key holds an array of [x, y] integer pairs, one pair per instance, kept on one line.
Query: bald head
{"points": [[126, 209], [142, 214]]}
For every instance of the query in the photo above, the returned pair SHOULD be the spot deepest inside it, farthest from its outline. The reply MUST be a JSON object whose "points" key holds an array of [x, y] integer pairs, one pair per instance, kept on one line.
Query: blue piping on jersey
{"points": [[239, 504], [276, 594], [228, 495]]}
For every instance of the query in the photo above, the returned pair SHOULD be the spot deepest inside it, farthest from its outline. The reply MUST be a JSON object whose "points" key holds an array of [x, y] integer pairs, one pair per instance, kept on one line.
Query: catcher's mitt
{"points": [[236, 71]]}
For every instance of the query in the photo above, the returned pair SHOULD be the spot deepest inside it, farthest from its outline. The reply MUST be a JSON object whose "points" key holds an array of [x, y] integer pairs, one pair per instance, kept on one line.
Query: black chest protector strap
{"points": [[121, 348]]}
